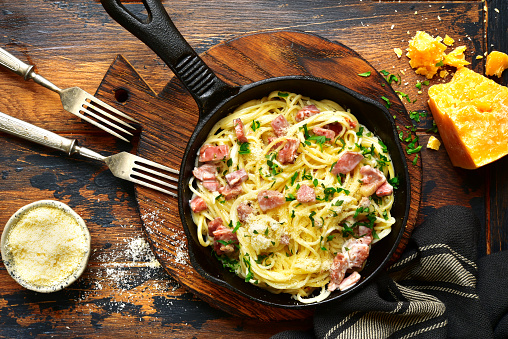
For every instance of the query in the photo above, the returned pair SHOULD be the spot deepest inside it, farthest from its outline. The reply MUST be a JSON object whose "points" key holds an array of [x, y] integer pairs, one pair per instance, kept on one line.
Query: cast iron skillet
{"points": [[216, 99]]}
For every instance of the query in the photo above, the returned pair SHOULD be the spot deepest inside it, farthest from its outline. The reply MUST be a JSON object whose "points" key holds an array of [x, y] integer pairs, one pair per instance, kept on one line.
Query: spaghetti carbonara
{"points": [[291, 192]]}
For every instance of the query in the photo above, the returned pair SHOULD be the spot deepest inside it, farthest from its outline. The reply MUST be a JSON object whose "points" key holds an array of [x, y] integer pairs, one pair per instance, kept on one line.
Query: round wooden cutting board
{"points": [[168, 120]]}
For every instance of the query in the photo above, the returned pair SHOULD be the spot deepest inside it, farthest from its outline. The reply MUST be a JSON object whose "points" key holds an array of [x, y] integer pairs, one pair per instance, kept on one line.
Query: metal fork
{"points": [[74, 99], [123, 165]]}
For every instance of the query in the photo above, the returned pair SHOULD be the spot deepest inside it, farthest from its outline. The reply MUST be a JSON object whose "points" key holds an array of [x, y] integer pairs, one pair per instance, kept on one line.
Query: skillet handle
{"points": [[160, 34]]}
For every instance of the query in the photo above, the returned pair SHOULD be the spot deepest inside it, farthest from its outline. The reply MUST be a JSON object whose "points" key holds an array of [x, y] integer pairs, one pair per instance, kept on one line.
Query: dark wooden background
{"points": [[73, 43]]}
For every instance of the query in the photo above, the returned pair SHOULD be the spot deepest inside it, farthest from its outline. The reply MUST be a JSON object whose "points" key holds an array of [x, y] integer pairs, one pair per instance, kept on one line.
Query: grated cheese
{"points": [[433, 143], [46, 246]]}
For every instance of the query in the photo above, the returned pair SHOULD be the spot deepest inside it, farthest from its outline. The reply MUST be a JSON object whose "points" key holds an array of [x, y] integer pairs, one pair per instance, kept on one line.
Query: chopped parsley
{"points": [[394, 182], [388, 103], [403, 95], [255, 125], [364, 74], [227, 262], [244, 148], [416, 115], [311, 217], [415, 160], [419, 84], [238, 224], [290, 197], [282, 94], [293, 178]]}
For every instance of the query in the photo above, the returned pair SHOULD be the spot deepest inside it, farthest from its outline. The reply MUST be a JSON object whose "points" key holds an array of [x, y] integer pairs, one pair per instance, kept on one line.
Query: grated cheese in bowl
{"points": [[45, 246]]}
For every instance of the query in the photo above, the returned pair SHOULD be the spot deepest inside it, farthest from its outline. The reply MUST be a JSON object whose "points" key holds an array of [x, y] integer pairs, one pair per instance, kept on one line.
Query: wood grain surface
{"points": [[73, 43]]}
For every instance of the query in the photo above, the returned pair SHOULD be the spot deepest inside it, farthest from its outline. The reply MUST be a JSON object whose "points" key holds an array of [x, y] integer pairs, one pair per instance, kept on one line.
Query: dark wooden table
{"points": [[124, 292]]}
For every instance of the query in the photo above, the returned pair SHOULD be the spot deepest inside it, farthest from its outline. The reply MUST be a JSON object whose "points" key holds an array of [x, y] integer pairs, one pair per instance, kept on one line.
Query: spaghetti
{"points": [[290, 192]]}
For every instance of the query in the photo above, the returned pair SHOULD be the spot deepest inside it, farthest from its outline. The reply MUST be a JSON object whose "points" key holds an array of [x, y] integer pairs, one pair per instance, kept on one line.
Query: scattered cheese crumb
{"points": [[398, 52], [416, 12], [443, 73], [479, 57], [448, 41], [497, 10], [433, 143]]}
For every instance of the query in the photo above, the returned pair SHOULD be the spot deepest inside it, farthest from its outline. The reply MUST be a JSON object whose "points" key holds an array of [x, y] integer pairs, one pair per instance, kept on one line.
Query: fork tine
{"points": [[106, 121], [159, 174], [101, 126], [93, 99], [153, 179], [138, 160], [94, 105]]}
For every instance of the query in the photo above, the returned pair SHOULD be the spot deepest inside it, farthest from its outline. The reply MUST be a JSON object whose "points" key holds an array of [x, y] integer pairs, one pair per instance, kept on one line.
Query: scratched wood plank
{"points": [[70, 42]]}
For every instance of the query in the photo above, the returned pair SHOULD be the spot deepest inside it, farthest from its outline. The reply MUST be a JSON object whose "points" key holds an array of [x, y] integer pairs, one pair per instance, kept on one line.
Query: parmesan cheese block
{"points": [[46, 246], [471, 113]]}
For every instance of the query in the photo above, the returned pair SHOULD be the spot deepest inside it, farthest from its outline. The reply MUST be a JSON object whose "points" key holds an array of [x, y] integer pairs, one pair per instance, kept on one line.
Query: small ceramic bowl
{"points": [[9, 260]]}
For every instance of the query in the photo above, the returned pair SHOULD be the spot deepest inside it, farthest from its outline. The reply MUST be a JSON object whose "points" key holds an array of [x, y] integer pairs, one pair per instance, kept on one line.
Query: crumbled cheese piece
{"points": [[443, 73], [479, 57], [448, 41], [433, 143], [47, 246], [398, 52], [497, 10]]}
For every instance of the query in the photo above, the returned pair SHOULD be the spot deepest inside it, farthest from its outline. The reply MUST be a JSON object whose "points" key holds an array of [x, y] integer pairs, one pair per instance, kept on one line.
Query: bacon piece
{"points": [[347, 162], [351, 123], [230, 192], [364, 234], [372, 180], [239, 130], [244, 210], [306, 112], [335, 128], [237, 177], [214, 224], [357, 254], [279, 125], [384, 190], [327, 133], [207, 175], [224, 234], [287, 154], [198, 204], [306, 194], [213, 153], [211, 185], [270, 199], [284, 239], [337, 271], [350, 281], [205, 172]]}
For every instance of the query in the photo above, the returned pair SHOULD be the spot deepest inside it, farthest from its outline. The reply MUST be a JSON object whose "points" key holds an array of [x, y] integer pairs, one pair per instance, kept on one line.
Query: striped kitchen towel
{"points": [[437, 289]]}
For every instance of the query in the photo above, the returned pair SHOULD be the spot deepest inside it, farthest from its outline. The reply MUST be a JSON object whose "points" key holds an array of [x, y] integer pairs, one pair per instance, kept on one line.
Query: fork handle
{"points": [[12, 63], [36, 134]]}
